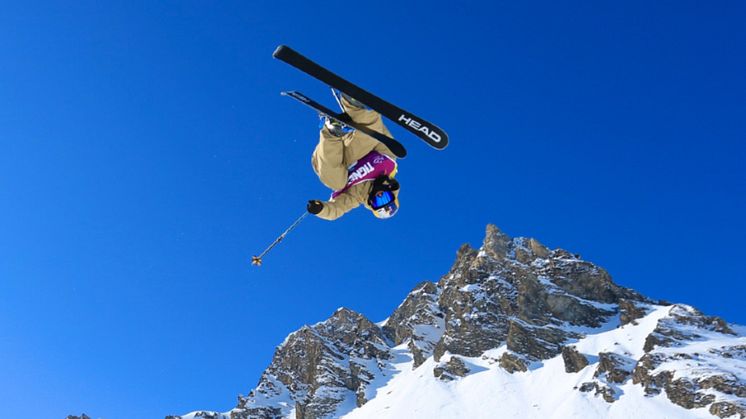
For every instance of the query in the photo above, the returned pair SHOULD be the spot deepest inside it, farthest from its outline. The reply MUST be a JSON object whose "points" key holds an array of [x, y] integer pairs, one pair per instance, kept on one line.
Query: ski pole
{"points": [[257, 260]]}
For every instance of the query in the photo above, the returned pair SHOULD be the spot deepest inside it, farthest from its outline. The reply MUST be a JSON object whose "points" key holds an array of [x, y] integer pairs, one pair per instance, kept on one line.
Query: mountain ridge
{"points": [[516, 308]]}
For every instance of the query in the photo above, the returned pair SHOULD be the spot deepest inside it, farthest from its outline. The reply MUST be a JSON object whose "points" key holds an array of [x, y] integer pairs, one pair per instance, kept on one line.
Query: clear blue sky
{"points": [[146, 154]]}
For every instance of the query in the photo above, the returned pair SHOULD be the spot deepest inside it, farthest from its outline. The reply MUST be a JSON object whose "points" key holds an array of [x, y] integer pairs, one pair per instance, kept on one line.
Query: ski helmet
{"points": [[382, 200]]}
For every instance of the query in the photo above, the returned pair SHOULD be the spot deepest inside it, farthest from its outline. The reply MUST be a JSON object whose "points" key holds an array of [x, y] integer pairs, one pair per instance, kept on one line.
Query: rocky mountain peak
{"points": [[516, 291], [499, 245], [496, 243]]}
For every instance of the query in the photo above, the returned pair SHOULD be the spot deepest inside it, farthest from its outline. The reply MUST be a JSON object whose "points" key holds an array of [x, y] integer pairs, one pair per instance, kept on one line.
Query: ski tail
{"points": [[425, 130]]}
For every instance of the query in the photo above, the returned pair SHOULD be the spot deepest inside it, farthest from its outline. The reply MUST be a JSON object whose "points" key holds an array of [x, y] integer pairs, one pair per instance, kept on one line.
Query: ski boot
{"points": [[334, 127]]}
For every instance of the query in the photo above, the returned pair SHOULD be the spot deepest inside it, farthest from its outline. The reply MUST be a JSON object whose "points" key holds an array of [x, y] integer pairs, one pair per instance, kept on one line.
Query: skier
{"points": [[357, 167]]}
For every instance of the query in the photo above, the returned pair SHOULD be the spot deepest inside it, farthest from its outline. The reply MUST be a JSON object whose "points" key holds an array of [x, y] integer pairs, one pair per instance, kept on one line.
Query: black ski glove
{"points": [[314, 206]]}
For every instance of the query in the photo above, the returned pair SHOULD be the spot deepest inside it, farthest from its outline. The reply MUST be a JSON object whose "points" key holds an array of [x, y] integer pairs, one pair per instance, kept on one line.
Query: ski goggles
{"points": [[381, 199], [383, 204], [386, 212]]}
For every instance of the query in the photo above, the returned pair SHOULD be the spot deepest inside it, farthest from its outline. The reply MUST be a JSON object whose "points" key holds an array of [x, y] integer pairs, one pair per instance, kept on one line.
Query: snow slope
{"points": [[545, 391]]}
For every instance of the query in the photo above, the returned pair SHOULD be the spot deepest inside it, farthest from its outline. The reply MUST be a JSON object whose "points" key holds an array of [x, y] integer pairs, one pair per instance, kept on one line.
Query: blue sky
{"points": [[146, 154]]}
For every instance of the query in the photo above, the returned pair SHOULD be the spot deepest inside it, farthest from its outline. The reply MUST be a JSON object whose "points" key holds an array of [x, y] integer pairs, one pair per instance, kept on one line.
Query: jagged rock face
{"points": [[515, 292], [418, 321], [319, 367], [473, 321], [518, 292]]}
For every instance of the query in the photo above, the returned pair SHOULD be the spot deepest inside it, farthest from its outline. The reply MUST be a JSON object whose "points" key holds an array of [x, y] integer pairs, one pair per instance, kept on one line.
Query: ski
{"points": [[427, 131], [345, 119]]}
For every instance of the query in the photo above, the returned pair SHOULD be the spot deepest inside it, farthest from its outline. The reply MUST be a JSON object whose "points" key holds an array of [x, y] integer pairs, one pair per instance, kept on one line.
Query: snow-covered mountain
{"points": [[513, 330]]}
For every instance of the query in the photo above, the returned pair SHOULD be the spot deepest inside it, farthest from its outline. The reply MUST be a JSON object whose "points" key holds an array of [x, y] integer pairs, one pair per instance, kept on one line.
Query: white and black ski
{"points": [[345, 119], [427, 131]]}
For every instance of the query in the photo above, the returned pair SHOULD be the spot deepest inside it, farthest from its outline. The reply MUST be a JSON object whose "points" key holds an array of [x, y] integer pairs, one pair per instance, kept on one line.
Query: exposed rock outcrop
{"points": [[728, 409], [607, 393], [685, 323], [672, 351], [448, 371], [574, 360], [511, 363], [614, 367], [629, 312]]}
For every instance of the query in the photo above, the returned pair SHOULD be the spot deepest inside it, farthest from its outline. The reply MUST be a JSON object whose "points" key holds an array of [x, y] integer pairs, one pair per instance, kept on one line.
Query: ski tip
{"points": [[443, 142], [280, 50]]}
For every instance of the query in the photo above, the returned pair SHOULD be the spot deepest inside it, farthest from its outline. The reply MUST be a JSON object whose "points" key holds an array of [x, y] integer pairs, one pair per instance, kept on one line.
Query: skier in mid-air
{"points": [[356, 155], [357, 167]]}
